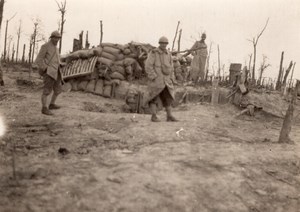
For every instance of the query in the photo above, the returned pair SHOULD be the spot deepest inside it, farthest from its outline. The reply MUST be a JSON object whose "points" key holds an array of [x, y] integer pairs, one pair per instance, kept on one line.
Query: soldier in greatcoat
{"points": [[199, 60], [160, 72]]}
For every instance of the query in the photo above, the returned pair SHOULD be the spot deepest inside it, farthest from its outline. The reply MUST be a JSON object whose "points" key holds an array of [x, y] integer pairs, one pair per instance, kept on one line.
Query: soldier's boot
{"points": [[54, 107], [46, 111], [154, 117], [170, 117]]}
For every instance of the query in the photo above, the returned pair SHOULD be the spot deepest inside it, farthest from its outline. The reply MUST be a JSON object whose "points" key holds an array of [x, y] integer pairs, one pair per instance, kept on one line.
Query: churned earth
{"points": [[90, 156]]}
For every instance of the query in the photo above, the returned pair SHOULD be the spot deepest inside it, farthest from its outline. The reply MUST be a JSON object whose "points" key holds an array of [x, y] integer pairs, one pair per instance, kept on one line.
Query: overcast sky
{"points": [[227, 23]]}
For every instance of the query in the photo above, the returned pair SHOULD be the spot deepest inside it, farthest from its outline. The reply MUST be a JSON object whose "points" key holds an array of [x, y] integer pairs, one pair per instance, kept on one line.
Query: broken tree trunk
{"points": [[175, 35], [23, 56], [284, 83], [101, 32], [215, 91], [284, 136], [291, 80], [87, 44], [179, 40], [219, 66], [278, 84]]}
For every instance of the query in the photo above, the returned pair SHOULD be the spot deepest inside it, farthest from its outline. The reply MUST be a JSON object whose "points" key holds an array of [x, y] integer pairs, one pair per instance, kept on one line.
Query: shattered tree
{"points": [[62, 10], [254, 43], [288, 120]]}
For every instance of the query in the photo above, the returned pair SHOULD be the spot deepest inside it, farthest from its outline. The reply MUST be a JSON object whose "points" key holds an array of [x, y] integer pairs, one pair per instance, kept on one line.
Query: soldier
{"points": [[160, 71], [48, 63], [199, 61]]}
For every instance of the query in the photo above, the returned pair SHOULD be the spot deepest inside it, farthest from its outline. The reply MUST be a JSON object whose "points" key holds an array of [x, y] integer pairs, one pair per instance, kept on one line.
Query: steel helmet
{"points": [[163, 39], [55, 34]]}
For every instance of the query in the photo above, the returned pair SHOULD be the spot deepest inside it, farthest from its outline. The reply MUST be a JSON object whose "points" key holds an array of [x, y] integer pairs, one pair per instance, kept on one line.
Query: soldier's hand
{"points": [[62, 64]]}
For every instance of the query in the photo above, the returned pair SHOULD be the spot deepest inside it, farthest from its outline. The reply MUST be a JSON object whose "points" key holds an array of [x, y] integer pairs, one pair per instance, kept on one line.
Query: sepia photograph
{"points": [[149, 106]]}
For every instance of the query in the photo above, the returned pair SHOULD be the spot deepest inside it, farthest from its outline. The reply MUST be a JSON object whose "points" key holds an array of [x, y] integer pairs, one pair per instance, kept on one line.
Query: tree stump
{"points": [[284, 136]]}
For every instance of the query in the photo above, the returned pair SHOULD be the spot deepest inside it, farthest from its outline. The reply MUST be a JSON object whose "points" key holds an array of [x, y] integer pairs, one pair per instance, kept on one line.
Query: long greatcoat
{"points": [[48, 59], [160, 72], [199, 61]]}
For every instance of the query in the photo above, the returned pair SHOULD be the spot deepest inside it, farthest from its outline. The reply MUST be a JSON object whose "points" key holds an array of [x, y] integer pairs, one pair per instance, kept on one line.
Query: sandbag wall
{"points": [[116, 66]]}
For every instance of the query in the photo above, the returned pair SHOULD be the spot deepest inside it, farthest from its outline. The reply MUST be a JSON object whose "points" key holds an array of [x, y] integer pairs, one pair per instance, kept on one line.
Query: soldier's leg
{"points": [[153, 108], [48, 86], [167, 101], [57, 89]]}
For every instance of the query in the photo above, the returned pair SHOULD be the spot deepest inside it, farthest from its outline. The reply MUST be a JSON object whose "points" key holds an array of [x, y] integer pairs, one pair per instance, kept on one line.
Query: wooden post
{"points": [[87, 44], [5, 40], [13, 53], [219, 68], [278, 84], [284, 136], [215, 91], [175, 35], [23, 56], [101, 32], [290, 84], [179, 39], [284, 83]]}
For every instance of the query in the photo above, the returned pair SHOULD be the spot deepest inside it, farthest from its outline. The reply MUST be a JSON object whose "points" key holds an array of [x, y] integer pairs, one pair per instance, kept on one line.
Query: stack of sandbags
{"points": [[116, 64]]}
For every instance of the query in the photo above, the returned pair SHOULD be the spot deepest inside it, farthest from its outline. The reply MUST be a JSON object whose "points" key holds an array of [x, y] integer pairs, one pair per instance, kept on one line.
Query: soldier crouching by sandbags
{"points": [[160, 72]]}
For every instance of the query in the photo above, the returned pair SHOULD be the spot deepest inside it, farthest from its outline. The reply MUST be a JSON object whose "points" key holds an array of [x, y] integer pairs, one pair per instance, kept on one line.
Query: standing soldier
{"points": [[48, 62], [160, 71], [199, 60]]}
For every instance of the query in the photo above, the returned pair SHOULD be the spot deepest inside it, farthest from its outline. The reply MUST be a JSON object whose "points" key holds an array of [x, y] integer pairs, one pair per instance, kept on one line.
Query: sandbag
{"points": [[82, 85], [107, 90], [131, 55], [72, 56], [117, 75], [84, 54], [111, 50], [126, 51], [99, 87], [116, 81], [113, 45], [120, 56], [108, 56], [120, 69], [107, 82], [74, 84], [91, 86], [67, 87], [129, 61], [122, 89], [104, 61], [128, 70], [119, 62], [97, 51]]}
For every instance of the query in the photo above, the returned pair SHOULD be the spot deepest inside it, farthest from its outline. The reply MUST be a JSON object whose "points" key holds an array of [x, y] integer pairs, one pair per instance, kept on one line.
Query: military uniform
{"points": [[48, 61], [160, 71], [199, 61]]}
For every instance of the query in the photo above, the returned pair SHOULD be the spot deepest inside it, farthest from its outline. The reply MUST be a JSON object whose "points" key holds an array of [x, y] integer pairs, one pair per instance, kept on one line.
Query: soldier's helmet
{"points": [[55, 34], [163, 39]]}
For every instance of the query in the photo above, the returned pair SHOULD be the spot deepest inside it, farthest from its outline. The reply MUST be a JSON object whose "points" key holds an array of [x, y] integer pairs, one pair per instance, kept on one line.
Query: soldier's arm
{"points": [[190, 51], [149, 66], [40, 59]]}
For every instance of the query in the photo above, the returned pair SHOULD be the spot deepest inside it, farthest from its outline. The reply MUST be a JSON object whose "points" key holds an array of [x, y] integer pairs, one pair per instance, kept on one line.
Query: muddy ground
{"points": [[92, 157]]}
